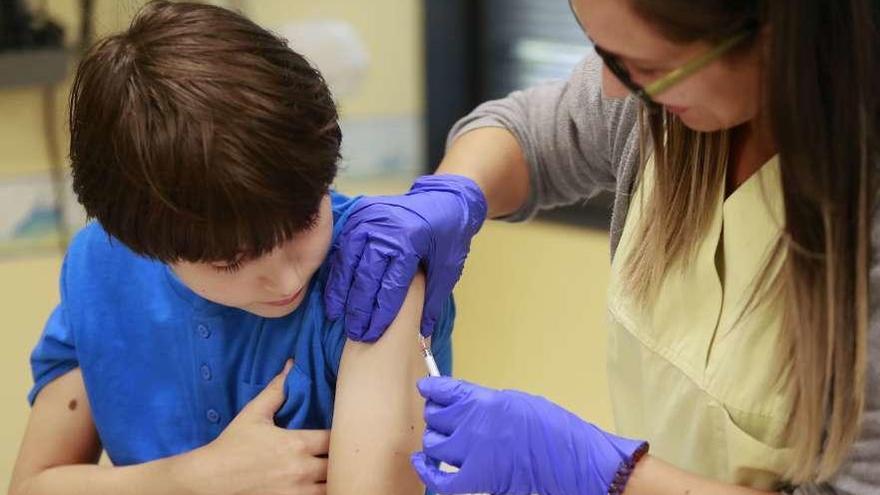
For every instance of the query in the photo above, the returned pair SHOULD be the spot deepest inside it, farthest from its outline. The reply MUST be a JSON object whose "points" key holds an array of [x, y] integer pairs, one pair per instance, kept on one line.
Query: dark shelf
{"points": [[480, 50], [38, 67]]}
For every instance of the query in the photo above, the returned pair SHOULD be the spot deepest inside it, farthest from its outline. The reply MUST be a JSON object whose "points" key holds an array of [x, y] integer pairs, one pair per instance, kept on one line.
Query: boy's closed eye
{"points": [[230, 266]]}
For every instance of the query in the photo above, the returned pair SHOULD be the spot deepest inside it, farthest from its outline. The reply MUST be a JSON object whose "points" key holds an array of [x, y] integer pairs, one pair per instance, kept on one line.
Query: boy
{"points": [[205, 149]]}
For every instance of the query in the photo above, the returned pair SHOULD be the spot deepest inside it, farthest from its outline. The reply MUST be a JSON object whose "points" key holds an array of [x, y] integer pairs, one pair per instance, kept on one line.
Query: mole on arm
{"points": [[72, 404]]}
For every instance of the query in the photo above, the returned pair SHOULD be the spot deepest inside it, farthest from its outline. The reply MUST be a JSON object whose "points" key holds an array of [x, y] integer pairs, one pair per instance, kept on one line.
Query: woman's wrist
{"points": [[652, 476], [626, 470]]}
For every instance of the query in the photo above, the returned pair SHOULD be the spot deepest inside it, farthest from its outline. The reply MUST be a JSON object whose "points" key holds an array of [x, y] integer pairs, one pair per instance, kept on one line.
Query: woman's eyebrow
{"points": [[610, 52], [636, 60]]}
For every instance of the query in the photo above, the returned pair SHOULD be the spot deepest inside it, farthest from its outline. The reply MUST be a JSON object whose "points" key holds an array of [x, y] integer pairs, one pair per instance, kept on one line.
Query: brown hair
{"points": [[197, 135], [821, 80]]}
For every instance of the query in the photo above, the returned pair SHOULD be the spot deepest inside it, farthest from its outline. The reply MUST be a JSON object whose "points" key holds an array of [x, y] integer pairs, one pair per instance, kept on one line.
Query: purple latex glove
{"points": [[385, 241], [508, 442]]}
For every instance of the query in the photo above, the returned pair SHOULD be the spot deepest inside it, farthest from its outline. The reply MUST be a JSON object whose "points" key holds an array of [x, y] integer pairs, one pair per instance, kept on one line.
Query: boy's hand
{"points": [[388, 238], [254, 456]]}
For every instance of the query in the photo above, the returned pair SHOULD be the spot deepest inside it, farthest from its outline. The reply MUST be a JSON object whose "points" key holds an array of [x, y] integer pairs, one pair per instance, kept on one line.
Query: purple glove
{"points": [[508, 442], [385, 241]]}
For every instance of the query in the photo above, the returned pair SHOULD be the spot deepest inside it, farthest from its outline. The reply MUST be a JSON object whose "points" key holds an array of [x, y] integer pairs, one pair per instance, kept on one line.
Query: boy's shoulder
{"points": [[92, 244], [95, 260], [342, 206]]}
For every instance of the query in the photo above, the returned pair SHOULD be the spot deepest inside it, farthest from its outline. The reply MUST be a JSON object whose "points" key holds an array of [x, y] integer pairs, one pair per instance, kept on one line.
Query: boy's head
{"points": [[201, 140]]}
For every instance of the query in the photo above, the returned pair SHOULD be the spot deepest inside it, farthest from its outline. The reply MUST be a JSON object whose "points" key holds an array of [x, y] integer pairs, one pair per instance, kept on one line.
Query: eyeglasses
{"points": [[647, 93]]}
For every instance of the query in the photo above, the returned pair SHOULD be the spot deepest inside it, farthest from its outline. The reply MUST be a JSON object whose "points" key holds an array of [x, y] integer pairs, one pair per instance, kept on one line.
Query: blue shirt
{"points": [[166, 370]]}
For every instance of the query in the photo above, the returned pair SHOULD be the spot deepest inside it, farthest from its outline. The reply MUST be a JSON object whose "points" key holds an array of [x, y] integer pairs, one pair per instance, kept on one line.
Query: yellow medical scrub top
{"points": [[693, 372]]}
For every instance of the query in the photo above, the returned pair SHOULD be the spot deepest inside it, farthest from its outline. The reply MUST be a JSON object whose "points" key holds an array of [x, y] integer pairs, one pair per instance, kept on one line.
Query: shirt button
{"points": [[213, 416], [206, 372], [204, 332]]}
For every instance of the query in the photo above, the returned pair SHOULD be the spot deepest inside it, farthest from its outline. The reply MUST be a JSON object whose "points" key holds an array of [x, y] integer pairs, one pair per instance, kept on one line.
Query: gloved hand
{"points": [[385, 241], [508, 442]]}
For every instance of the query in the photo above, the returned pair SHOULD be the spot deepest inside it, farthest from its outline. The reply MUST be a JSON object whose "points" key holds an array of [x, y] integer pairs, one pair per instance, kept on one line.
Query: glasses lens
{"points": [[622, 74]]}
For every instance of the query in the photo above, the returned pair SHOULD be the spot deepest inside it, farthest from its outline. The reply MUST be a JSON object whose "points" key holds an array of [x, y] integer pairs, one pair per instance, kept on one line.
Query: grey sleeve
{"points": [[860, 475], [574, 140]]}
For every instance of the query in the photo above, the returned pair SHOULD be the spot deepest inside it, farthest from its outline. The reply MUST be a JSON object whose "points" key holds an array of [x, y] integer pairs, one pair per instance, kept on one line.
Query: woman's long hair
{"points": [[822, 78]]}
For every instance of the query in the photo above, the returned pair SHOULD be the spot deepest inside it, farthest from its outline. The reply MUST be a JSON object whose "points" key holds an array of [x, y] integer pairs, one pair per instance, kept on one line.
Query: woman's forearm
{"points": [[655, 477], [493, 158]]}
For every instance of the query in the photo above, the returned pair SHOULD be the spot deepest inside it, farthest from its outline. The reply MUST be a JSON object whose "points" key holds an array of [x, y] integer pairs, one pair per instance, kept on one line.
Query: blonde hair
{"points": [[823, 346], [824, 116]]}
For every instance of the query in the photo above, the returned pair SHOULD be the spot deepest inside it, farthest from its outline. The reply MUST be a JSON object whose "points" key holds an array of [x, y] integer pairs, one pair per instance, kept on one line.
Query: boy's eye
{"points": [[231, 267]]}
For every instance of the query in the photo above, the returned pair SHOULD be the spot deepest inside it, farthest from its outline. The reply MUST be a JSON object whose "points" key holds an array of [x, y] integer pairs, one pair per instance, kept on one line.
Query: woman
{"points": [[743, 342]]}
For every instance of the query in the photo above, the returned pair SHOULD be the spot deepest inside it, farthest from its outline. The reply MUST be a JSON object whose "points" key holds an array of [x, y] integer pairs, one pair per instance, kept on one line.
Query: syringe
{"points": [[433, 370]]}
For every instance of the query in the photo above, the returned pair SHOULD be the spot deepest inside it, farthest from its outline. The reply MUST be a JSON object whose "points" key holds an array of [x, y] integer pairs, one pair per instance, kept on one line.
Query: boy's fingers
{"points": [[269, 400], [314, 442]]}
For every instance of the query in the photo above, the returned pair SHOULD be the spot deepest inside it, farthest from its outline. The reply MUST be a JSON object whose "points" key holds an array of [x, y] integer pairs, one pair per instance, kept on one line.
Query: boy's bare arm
{"points": [[377, 419], [60, 431], [60, 450]]}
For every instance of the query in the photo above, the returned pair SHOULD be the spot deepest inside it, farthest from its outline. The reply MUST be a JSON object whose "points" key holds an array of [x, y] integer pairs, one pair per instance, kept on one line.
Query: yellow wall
{"points": [[392, 31], [393, 85], [531, 299], [532, 314], [28, 291]]}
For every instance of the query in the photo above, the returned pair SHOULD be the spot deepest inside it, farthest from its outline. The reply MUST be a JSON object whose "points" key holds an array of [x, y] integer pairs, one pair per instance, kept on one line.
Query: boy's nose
{"points": [[282, 275]]}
